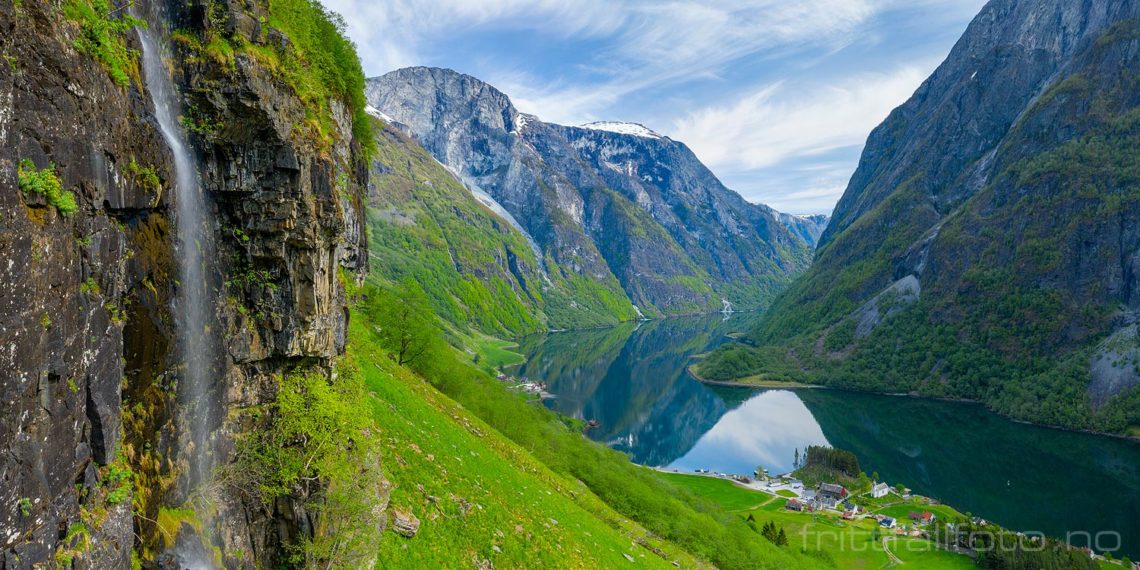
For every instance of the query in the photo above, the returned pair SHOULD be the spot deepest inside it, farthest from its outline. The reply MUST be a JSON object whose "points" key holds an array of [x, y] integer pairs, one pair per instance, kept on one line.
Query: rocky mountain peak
{"points": [[608, 200]]}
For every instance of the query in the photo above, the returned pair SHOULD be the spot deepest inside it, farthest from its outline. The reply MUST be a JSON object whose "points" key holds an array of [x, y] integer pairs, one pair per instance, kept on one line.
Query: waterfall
{"points": [[194, 303]]}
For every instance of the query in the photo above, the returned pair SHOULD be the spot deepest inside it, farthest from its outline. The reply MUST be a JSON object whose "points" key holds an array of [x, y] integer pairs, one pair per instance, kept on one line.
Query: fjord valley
{"points": [[261, 310]]}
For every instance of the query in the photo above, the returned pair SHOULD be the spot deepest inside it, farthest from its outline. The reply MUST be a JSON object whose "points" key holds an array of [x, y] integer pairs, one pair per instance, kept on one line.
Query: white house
{"points": [[880, 490]]}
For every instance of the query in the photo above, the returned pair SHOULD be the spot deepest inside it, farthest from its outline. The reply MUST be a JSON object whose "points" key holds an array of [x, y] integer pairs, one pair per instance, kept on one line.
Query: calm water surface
{"points": [[632, 380]]}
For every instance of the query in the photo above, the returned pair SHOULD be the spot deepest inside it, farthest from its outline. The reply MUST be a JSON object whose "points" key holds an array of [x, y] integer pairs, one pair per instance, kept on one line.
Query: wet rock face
{"points": [[88, 357], [66, 282], [288, 230], [284, 225]]}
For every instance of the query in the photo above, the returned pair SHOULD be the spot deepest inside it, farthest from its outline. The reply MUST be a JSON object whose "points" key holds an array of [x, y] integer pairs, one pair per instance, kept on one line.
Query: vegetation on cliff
{"points": [[1023, 276], [103, 37], [322, 64], [44, 182], [302, 44], [319, 447]]}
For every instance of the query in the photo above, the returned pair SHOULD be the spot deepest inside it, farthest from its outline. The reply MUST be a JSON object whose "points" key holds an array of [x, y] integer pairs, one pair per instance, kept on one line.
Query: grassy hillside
{"points": [[479, 271], [424, 225], [478, 495], [543, 446]]}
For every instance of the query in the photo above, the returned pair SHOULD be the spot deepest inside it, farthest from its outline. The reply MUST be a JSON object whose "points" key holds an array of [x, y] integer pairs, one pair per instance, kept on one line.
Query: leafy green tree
{"points": [[405, 323]]}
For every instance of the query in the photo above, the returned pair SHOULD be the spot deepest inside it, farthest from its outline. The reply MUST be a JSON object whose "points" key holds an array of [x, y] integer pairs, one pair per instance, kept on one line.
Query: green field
{"points": [[491, 353], [903, 510], [849, 545], [726, 493], [496, 353]]}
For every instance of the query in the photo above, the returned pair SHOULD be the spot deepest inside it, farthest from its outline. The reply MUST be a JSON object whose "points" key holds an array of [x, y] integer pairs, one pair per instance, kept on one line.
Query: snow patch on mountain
{"points": [[378, 114], [521, 121], [623, 128]]}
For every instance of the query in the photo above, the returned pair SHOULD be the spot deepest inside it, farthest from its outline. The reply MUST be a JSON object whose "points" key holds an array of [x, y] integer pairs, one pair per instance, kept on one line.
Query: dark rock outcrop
{"points": [[89, 357]]}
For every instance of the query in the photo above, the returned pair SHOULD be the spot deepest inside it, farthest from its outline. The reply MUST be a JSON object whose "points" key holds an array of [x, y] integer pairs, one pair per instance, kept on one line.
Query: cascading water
{"points": [[195, 301]]}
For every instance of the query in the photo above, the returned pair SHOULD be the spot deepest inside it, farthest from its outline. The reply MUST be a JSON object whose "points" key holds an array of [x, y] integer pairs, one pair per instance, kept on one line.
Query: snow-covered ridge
{"points": [[620, 127]]}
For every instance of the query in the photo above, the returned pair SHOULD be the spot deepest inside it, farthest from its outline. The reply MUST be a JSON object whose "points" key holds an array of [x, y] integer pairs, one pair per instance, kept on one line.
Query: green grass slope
{"points": [[523, 467], [481, 497]]}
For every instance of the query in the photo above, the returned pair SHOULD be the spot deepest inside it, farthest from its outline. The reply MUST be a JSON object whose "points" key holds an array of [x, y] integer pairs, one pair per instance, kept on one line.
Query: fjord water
{"points": [[633, 381]]}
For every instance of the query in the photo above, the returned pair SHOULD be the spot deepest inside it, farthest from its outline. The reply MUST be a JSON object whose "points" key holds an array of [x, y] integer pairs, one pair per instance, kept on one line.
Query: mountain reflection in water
{"points": [[633, 381]]}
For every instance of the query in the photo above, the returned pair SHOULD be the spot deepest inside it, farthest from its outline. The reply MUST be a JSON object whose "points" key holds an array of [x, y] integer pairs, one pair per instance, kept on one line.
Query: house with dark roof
{"points": [[829, 495]]}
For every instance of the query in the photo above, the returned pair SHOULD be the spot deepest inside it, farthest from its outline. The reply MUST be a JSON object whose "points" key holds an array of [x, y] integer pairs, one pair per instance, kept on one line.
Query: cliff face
{"points": [[91, 366], [631, 211], [808, 228], [1010, 55], [988, 241]]}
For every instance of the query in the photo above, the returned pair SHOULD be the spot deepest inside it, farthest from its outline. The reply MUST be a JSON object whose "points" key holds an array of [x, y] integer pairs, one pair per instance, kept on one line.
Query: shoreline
{"points": [[760, 383], [757, 383]]}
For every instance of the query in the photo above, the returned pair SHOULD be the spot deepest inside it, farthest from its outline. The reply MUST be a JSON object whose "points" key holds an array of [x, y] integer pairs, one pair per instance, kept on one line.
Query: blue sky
{"points": [[775, 96]]}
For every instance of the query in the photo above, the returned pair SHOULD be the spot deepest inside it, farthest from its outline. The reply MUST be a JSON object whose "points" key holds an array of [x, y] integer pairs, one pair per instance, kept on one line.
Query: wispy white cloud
{"points": [[647, 43], [778, 121], [397, 33], [778, 143], [764, 139]]}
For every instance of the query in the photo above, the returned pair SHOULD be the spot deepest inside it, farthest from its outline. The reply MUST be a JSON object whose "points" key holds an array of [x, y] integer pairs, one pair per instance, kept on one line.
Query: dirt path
{"points": [[895, 560]]}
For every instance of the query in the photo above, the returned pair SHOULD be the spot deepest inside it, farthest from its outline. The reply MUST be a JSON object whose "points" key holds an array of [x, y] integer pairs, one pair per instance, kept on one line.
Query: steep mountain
{"points": [[988, 244], [475, 265], [807, 228], [622, 214]]}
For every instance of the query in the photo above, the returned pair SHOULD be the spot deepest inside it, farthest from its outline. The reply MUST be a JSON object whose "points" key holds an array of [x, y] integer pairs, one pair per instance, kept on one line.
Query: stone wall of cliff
{"points": [[88, 368]]}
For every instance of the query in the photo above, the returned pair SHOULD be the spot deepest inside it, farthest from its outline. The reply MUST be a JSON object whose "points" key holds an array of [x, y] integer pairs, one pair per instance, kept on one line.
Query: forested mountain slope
{"points": [[987, 245], [424, 225]]}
